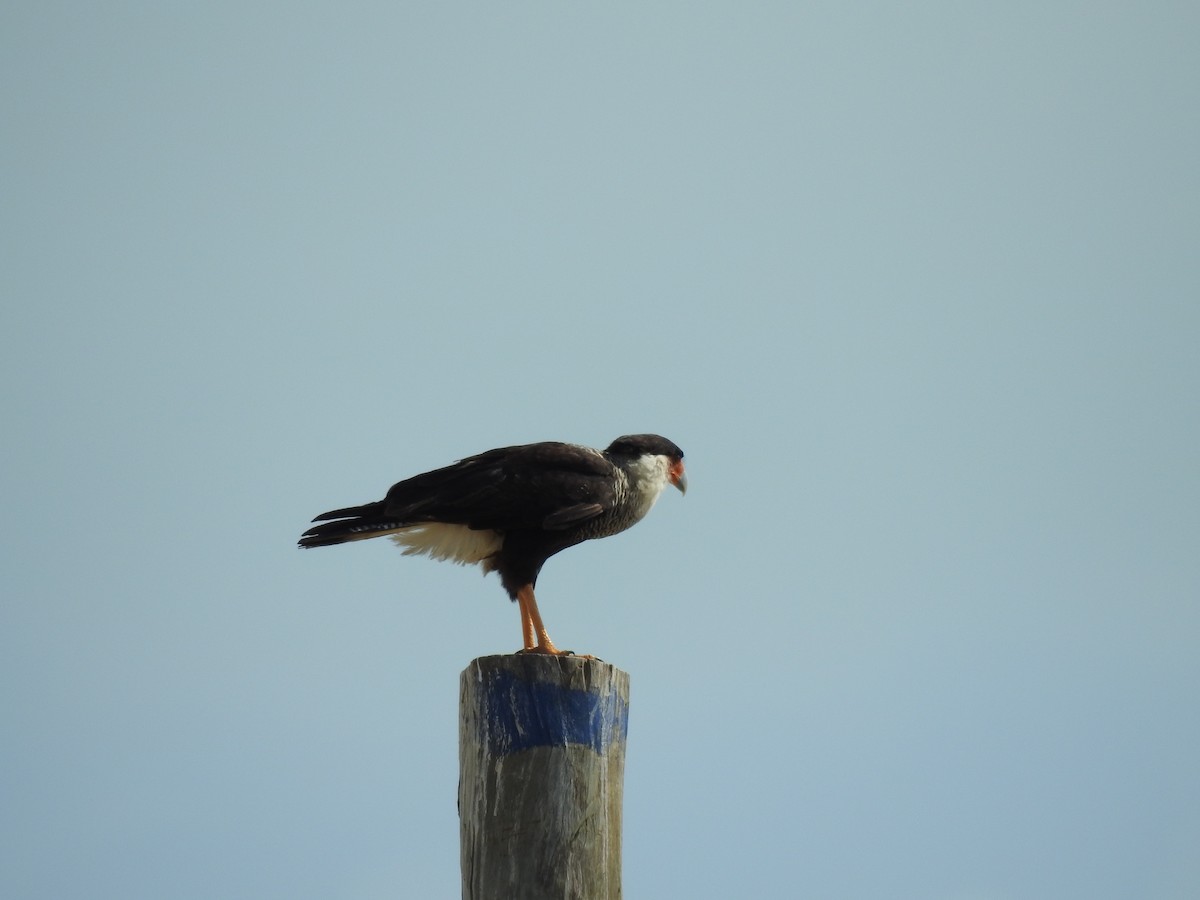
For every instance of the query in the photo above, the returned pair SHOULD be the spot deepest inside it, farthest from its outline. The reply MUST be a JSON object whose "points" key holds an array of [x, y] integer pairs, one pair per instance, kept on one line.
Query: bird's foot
{"points": [[554, 651]]}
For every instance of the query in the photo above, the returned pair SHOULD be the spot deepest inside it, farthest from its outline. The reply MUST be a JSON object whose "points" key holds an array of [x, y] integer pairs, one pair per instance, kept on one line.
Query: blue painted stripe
{"points": [[518, 715]]}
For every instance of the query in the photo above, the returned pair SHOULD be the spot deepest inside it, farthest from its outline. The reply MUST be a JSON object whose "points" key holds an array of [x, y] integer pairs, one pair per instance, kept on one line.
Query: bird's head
{"points": [[636, 446]]}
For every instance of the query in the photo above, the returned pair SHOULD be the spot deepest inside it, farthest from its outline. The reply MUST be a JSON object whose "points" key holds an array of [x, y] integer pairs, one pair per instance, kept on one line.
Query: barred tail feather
{"points": [[356, 523], [348, 530]]}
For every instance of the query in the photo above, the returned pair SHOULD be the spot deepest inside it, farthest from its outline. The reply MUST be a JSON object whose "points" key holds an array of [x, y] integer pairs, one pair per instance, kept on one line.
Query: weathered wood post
{"points": [[541, 773]]}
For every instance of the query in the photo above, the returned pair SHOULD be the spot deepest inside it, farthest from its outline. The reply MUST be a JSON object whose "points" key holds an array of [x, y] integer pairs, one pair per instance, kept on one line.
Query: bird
{"points": [[510, 509]]}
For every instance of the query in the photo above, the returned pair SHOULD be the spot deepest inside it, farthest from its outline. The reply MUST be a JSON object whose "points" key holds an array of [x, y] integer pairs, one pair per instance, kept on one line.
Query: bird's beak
{"points": [[678, 478]]}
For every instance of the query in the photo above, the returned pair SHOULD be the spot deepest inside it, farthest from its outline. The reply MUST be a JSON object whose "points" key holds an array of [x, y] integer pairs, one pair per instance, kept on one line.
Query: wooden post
{"points": [[541, 773]]}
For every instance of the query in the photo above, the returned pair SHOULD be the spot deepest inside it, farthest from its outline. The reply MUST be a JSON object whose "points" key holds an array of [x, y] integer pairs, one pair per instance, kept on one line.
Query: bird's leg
{"points": [[527, 632], [534, 624]]}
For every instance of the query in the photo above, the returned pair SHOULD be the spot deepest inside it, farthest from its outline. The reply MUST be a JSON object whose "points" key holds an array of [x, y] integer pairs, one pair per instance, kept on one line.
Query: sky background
{"points": [[915, 286]]}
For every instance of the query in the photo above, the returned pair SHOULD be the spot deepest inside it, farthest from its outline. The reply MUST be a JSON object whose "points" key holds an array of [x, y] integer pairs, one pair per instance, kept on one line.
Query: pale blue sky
{"points": [[915, 286]]}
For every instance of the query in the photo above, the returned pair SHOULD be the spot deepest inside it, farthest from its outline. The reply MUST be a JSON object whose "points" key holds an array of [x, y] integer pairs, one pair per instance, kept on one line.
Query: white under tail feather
{"points": [[453, 543]]}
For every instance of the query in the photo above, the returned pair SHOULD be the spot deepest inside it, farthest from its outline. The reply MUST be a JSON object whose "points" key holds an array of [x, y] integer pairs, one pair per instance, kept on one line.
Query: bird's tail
{"points": [[354, 523]]}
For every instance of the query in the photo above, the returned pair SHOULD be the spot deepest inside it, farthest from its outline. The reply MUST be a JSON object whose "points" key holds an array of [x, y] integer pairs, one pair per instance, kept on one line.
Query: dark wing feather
{"points": [[570, 516], [547, 485]]}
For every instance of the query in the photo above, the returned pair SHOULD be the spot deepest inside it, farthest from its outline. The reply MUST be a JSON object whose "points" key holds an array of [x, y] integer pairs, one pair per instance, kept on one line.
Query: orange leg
{"points": [[527, 632], [531, 624]]}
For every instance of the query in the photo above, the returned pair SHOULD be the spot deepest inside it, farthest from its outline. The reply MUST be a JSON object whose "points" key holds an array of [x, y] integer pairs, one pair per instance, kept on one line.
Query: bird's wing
{"points": [[548, 485]]}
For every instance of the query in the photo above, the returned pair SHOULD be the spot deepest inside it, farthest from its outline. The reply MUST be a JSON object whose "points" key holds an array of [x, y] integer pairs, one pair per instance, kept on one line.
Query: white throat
{"points": [[648, 475]]}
